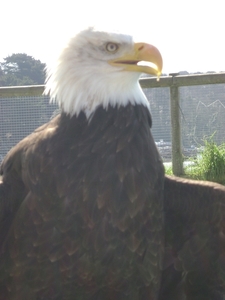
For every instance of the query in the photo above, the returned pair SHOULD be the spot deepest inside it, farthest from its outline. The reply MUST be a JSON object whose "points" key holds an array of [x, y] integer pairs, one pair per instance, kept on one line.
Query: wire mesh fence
{"points": [[202, 111], [159, 99], [19, 116], [202, 114]]}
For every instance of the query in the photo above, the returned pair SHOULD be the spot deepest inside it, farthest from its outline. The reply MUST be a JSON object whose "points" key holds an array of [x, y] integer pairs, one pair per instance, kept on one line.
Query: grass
{"points": [[168, 170], [209, 165]]}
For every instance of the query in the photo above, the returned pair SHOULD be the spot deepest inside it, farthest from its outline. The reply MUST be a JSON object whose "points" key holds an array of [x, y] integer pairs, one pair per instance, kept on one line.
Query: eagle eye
{"points": [[112, 47]]}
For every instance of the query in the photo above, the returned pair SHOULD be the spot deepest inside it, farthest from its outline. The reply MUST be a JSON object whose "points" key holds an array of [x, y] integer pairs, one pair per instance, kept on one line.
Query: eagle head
{"points": [[101, 68]]}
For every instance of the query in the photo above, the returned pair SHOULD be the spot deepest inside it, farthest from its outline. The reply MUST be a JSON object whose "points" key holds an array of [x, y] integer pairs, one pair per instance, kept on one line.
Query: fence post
{"points": [[177, 157]]}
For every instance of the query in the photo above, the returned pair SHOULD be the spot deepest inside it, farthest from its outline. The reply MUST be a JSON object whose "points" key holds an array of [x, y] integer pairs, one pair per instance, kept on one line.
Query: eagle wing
{"points": [[16, 200], [195, 240], [14, 174]]}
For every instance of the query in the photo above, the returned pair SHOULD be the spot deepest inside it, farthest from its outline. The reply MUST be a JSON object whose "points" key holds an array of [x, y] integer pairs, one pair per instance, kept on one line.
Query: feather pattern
{"points": [[195, 248], [90, 214]]}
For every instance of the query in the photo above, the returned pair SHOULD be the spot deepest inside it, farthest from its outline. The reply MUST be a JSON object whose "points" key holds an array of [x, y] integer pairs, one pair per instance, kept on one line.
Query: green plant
{"points": [[168, 169], [210, 164]]}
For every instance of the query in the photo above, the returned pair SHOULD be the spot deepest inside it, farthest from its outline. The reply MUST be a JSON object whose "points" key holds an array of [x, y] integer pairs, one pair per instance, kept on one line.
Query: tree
{"points": [[21, 69]]}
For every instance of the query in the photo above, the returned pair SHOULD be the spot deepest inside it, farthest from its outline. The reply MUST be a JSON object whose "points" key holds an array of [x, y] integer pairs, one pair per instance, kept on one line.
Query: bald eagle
{"points": [[85, 209], [82, 197]]}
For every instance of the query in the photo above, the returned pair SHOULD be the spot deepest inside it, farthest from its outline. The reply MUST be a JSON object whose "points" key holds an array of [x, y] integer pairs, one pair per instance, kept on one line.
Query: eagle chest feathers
{"points": [[105, 221]]}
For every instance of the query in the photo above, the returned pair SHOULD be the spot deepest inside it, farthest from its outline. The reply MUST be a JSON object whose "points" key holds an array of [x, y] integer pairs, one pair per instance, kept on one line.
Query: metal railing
{"points": [[173, 82]]}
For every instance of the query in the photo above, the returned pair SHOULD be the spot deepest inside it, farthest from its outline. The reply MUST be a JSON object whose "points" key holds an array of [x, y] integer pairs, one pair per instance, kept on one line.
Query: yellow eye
{"points": [[112, 47]]}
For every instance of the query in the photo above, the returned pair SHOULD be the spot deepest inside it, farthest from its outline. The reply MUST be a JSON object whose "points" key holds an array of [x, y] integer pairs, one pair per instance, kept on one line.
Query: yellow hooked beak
{"points": [[144, 58]]}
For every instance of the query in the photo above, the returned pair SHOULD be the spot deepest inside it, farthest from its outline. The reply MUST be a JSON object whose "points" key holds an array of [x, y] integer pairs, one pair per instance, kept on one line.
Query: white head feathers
{"points": [[83, 79]]}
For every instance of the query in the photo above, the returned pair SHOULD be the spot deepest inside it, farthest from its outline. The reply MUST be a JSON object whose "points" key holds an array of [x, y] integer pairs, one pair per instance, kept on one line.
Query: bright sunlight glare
{"points": [[189, 34]]}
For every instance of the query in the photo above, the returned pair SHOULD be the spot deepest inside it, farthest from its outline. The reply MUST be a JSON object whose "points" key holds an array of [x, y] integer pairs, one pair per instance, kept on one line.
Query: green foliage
{"points": [[168, 170], [210, 165], [21, 69]]}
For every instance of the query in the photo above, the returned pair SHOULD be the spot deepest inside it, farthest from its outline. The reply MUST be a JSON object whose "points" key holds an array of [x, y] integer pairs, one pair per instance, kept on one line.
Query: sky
{"points": [[189, 34]]}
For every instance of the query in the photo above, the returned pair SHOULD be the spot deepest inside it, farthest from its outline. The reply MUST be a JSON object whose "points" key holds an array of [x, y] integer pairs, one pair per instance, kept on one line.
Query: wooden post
{"points": [[177, 157]]}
